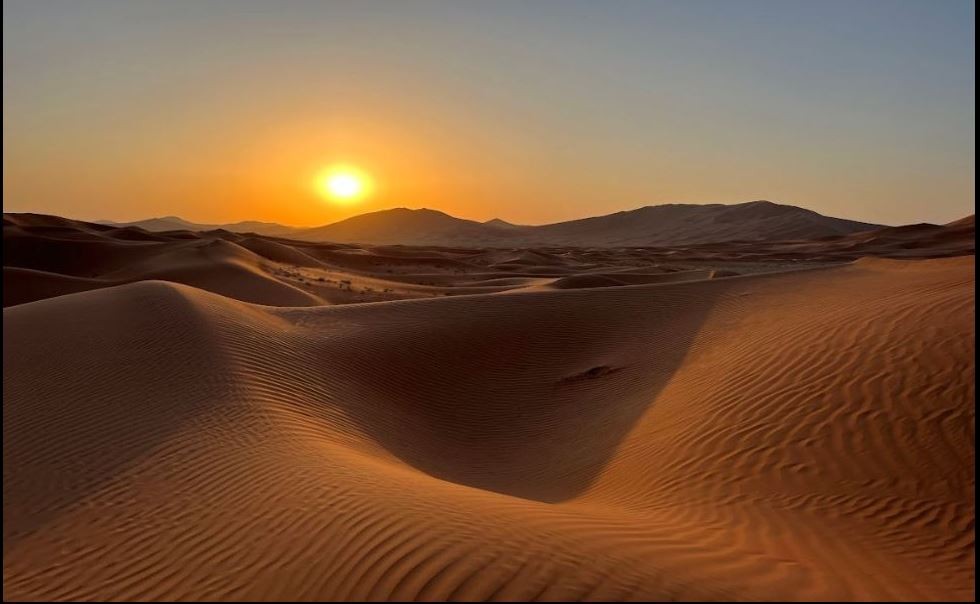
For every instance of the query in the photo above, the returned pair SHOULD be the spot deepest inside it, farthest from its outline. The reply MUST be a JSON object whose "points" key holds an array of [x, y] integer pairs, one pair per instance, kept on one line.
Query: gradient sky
{"points": [[534, 111]]}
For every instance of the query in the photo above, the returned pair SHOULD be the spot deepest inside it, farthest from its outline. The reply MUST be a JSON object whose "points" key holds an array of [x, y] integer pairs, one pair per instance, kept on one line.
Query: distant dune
{"points": [[408, 227], [173, 223], [663, 225], [680, 224], [220, 416], [45, 256]]}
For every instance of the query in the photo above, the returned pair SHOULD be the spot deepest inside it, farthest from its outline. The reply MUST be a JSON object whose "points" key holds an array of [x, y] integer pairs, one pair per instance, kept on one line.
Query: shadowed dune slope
{"points": [[21, 285], [802, 435]]}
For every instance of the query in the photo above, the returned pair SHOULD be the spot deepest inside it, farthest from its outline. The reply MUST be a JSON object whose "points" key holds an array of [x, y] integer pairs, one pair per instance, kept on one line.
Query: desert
{"points": [[498, 301], [218, 415]]}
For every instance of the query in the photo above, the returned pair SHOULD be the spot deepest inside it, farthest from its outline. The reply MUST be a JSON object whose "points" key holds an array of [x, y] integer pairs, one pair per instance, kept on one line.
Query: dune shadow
{"points": [[528, 395]]}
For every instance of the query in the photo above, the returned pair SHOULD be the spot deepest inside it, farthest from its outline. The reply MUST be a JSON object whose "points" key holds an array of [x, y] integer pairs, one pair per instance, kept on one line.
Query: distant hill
{"points": [[412, 227], [62, 245], [663, 225], [175, 223], [497, 222], [966, 222], [659, 226], [958, 236], [687, 224]]}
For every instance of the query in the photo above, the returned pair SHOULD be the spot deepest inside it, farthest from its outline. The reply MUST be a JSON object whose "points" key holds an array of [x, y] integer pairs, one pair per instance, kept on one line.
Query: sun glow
{"points": [[344, 184]]}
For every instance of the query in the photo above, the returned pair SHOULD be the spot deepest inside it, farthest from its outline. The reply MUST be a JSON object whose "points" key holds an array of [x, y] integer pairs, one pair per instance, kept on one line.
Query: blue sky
{"points": [[532, 111]]}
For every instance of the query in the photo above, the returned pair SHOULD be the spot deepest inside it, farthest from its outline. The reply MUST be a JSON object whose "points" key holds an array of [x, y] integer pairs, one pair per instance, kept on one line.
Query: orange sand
{"points": [[795, 435]]}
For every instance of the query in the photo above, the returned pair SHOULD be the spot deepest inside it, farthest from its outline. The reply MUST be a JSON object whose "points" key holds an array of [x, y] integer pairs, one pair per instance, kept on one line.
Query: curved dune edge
{"points": [[803, 435]]}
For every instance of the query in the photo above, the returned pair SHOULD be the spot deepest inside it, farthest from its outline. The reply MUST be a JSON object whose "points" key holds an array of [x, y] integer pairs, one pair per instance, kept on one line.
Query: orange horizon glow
{"points": [[236, 122]]}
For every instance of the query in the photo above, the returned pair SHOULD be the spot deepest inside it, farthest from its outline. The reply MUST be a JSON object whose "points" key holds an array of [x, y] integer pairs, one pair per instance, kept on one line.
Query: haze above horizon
{"points": [[533, 112]]}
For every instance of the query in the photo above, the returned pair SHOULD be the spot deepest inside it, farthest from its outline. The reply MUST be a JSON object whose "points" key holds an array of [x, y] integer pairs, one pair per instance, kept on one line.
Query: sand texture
{"points": [[200, 416]]}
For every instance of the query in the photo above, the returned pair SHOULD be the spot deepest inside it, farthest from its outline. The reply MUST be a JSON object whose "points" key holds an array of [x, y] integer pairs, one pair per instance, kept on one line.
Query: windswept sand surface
{"points": [[198, 417]]}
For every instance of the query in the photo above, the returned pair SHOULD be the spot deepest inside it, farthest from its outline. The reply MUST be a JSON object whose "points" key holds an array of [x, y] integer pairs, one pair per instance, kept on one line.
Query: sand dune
{"points": [[662, 225], [669, 224], [75, 256], [174, 223], [653, 432], [21, 285]]}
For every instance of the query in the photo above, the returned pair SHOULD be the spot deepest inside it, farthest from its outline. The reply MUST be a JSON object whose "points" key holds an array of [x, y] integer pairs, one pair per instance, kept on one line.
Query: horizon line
{"points": [[318, 225]]}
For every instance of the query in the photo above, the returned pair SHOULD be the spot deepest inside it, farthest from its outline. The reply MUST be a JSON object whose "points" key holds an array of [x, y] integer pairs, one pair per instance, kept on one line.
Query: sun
{"points": [[343, 184]]}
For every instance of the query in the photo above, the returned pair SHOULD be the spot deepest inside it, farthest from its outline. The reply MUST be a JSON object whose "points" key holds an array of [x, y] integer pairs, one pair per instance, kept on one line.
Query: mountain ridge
{"points": [[652, 225]]}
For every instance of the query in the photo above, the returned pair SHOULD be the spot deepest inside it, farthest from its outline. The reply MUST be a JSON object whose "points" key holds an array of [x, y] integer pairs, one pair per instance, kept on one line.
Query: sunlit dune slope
{"points": [[801, 435]]}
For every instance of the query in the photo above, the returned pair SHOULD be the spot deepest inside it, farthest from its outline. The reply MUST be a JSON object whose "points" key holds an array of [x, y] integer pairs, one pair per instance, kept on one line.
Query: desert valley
{"points": [[499, 301], [765, 403]]}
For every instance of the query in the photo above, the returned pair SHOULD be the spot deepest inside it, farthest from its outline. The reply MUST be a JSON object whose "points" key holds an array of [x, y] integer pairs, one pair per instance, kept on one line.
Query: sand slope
{"points": [[799, 435]]}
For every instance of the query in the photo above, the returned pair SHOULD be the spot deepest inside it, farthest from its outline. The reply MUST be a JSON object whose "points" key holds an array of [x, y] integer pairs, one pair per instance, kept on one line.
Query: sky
{"points": [[533, 111]]}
